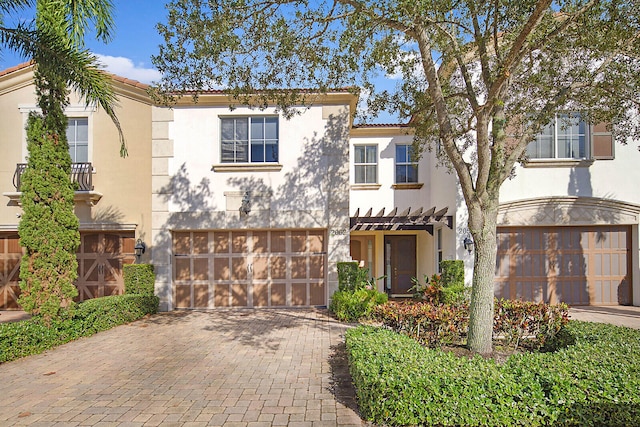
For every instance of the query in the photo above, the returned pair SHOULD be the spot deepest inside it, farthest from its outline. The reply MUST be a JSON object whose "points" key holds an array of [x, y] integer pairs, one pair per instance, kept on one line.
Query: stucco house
{"points": [[243, 207], [250, 209], [567, 226], [113, 201]]}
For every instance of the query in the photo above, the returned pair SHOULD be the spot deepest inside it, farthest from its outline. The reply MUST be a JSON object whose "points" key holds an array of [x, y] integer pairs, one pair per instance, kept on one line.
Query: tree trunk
{"points": [[482, 224]]}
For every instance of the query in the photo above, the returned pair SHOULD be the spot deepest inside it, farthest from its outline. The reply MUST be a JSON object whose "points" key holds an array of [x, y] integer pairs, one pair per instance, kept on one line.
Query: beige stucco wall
{"points": [[124, 183], [14, 90]]}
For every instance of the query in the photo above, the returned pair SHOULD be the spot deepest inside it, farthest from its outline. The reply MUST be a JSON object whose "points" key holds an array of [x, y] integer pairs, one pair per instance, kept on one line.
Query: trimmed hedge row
{"points": [[32, 336], [591, 379]]}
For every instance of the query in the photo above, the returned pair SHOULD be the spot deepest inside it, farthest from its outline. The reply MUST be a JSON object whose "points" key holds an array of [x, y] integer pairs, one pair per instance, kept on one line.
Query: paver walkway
{"points": [[224, 367], [619, 315]]}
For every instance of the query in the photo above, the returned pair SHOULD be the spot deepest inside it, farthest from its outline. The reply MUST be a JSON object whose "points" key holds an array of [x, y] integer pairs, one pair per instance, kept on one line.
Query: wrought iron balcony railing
{"points": [[81, 173]]}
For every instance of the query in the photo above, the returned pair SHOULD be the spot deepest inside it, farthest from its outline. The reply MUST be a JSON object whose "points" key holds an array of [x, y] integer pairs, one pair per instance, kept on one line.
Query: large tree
{"points": [[49, 228], [479, 78]]}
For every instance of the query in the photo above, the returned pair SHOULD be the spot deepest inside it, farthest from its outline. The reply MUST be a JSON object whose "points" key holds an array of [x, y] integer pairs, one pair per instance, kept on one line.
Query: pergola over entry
{"points": [[419, 219]]}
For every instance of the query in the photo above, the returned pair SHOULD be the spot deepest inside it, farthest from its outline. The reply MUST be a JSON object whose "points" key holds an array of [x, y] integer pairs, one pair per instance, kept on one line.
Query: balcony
{"points": [[81, 174]]}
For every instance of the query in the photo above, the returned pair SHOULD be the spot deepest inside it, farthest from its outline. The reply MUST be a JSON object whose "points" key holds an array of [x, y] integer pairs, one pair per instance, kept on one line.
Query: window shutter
{"points": [[602, 142]]}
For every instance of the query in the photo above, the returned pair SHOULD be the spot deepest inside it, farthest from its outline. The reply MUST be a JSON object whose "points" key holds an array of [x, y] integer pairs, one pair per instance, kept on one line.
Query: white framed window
{"points": [[406, 166], [366, 164], [252, 139], [566, 137], [78, 139], [79, 130]]}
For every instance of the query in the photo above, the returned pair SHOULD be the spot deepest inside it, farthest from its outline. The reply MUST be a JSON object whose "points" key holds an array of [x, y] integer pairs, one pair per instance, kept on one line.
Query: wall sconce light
{"points": [[139, 249], [468, 244], [245, 205]]}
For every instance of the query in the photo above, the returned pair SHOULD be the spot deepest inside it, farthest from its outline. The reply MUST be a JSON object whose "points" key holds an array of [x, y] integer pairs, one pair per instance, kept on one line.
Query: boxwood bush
{"points": [[589, 378], [139, 279], [350, 306], [32, 336]]}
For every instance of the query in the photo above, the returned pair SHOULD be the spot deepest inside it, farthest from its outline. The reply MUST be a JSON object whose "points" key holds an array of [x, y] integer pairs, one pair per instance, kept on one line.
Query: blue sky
{"points": [[135, 40]]}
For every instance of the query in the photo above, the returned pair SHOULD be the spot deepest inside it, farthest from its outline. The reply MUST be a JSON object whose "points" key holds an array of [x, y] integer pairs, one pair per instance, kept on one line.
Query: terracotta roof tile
{"points": [[115, 77], [16, 68], [130, 82], [380, 125]]}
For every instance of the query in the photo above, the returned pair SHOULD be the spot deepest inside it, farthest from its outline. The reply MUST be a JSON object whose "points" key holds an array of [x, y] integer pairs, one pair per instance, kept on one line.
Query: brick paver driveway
{"points": [[227, 367]]}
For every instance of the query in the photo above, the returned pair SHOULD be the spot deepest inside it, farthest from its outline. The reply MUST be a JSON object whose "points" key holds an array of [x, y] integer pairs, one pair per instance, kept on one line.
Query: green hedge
{"points": [[348, 276], [139, 279], [350, 306], [452, 272], [100, 314], [32, 336], [591, 379]]}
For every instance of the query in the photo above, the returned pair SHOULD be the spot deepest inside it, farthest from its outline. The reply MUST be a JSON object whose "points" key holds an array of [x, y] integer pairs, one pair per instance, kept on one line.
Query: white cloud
{"points": [[124, 67], [405, 59]]}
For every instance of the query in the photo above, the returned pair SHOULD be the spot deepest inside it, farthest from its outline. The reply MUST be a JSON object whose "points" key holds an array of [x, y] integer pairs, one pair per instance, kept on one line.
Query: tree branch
{"points": [[442, 116], [517, 49]]}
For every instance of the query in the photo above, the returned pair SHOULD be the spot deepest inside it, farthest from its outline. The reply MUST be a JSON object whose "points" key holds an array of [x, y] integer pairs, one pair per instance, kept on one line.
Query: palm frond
{"points": [[81, 13], [22, 39], [79, 68], [8, 6]]}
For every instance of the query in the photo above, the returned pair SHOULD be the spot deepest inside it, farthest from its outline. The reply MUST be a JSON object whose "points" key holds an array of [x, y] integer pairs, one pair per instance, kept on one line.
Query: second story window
{"points": [[366, 164], [249, 139], [566, 137], [406, 166], [78, 139]]}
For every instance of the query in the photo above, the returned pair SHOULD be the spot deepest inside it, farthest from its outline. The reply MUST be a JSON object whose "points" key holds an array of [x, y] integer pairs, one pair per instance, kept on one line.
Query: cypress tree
{"points": [[49, 227]]}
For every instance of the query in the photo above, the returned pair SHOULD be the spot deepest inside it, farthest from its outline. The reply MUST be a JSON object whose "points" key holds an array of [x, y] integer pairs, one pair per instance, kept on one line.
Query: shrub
{"points": [[515, 322], [100, 314], [350, 276], [350, 306], [432, 325], [430, 291], [592, 382], [400, 382], [139, 279], [441, 288], [33, 336], [453, 289], [452, 272], [534, 323], [48, 227]]}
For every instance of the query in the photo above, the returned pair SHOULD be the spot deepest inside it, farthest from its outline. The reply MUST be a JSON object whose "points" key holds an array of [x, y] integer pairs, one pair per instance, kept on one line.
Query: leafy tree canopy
{"points": [[532, 55], [480, 78]]}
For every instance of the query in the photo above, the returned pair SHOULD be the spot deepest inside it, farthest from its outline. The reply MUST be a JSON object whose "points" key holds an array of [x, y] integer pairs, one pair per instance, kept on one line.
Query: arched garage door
{"points": [[588, 265], [255, 268]]}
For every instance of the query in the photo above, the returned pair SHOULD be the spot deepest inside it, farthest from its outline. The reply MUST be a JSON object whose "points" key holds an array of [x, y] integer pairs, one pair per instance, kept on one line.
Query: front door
{"points": [[400, 263]]}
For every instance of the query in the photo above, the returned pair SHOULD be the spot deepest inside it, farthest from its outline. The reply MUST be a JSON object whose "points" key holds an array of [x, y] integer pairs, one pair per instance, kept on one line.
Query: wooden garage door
{"points": [[100, 260], [576, 265], [10, 254], [249, 268]]}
